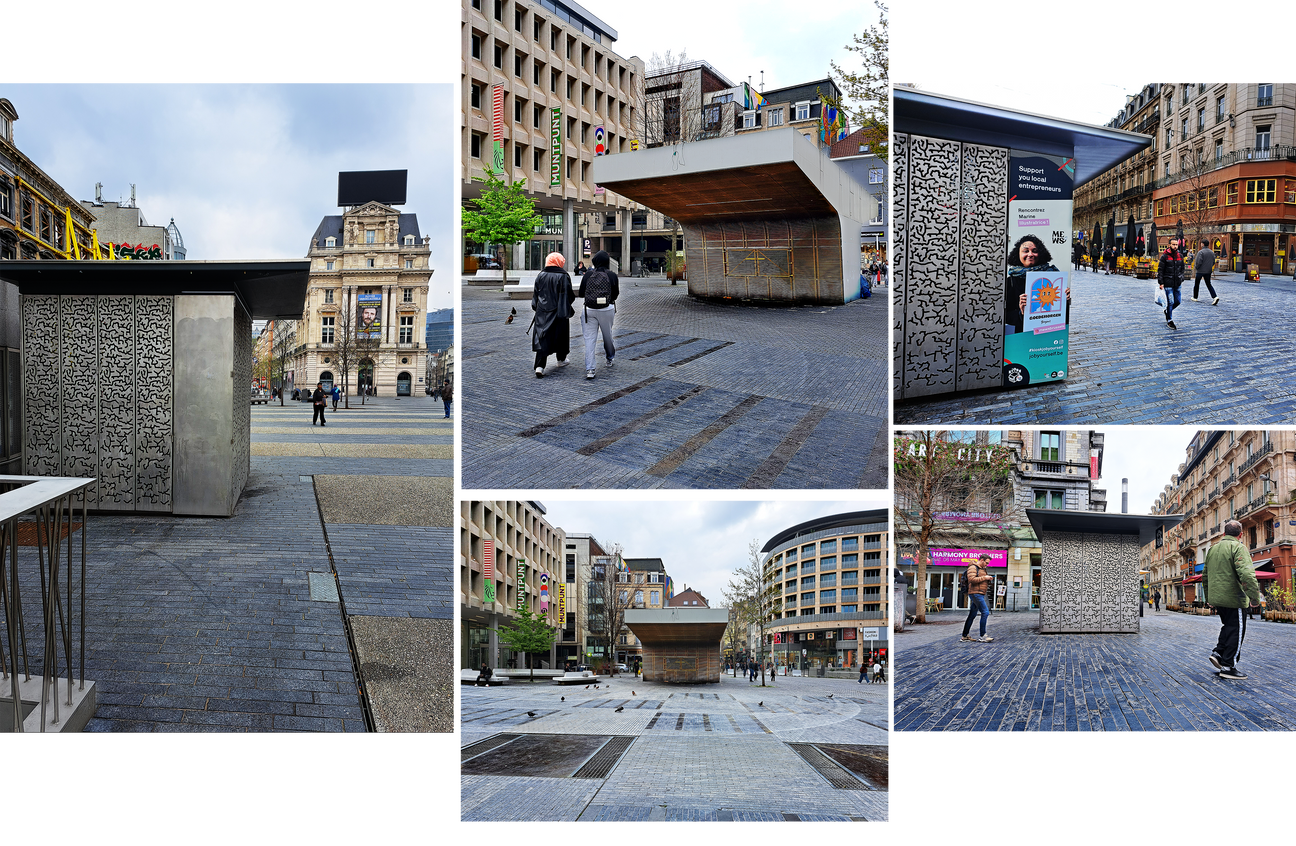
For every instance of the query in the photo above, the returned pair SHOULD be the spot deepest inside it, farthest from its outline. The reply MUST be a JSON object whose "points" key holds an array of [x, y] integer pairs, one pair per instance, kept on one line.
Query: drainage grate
{"points": [[323, 587], [835, 775], [475, 749], [605, 759]]}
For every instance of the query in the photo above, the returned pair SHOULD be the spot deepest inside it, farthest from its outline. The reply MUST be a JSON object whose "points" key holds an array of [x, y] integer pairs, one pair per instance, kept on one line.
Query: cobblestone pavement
{"points": [[695, 754], [1221, 366], [702, 395], [1158, 679], [210, 624]]}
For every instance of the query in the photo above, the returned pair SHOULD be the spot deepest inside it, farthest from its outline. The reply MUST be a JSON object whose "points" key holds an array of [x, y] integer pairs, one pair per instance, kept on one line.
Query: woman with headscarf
{"points": [[552, 304], [1028, 255]]}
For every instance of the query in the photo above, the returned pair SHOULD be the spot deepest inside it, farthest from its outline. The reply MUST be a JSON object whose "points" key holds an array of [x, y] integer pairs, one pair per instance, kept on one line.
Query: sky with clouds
{"points": [[701, 542], [741, 41], [247, 171]]}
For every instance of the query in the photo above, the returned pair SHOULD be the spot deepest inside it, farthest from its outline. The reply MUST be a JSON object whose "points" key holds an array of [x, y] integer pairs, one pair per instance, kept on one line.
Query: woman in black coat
{"points": [[552, 304]]}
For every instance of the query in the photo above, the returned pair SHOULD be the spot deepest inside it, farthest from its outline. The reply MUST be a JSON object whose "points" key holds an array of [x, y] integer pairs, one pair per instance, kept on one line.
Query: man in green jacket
{"points": [[1229, 583]]}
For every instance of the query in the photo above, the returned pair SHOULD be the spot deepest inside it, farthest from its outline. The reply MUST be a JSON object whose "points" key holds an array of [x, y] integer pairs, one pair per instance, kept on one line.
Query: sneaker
{"points": [[1215, 659], [1232, 673], [1170, 323], [985, 639], [589, 374], [539, 372], [609, 362], [966, 639], [1194, 299], [562, 362], [1215, 301]]}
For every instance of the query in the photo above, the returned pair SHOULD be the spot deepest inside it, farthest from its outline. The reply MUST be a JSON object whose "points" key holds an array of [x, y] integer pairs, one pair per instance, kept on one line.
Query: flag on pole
{"points": [[752, 99]]}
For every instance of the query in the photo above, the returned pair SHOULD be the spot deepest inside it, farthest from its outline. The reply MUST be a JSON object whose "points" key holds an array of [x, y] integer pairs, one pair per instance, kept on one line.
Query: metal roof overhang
{"points": [[1095, 148], [1144, 525], [269, 290], [752, 192], [701, 626]]}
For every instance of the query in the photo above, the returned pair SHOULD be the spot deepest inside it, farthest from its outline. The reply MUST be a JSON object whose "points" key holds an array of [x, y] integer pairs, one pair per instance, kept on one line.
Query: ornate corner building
{"points": [[368, 283]]}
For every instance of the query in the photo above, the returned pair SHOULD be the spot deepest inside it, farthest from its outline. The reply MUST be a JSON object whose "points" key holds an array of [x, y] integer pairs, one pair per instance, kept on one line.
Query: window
{"points": [[638, 597], [369, 262], [1262, 137], [407, 295], [654, 598], [828, 596], [328, 265], [1183, 129], [803, 111], [1264, 94], [808, 551], [1212, 196], [6, 197], [474, 146], [370, 234], [517, 65], [1219, 109], [1201, 118], [1289, 191], [1231, 194], [330, 242], [828, 546], [1261, 190], [476, 46], [1050, 445], [1048, 499], [328, 292], [409, 240], [749, 120], [807, 581], [1219, 149], [499, 56], [828, 580], [326, 330], [475, 97], [1185, 93], [1169, 137], [1160, 208], [407, 329]]}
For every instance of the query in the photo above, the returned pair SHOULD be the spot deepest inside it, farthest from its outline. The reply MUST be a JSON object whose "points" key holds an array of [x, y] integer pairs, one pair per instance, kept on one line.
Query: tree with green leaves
{"points": [[528, 633], [867, 91], [505, 216]]}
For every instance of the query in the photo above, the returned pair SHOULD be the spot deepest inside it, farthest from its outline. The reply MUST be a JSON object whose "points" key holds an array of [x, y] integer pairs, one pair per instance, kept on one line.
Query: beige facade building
{"points": [[1222, 166], [526, 554], [560, 82], [1248, 476], [368, 288]]}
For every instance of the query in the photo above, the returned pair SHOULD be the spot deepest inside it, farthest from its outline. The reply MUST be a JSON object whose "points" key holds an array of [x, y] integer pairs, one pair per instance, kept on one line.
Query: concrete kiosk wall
{"points": [[680, 645]]}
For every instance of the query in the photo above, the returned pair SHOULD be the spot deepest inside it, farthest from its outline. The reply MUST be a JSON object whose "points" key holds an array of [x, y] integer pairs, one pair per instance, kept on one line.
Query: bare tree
{"points": [[282, 341], [760, 598], [609, 595], [1198, 205], [344, 341], [949, 489]]}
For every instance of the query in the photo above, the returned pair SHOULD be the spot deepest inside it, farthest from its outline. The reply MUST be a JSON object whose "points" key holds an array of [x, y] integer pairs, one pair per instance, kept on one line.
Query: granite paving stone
{"points": [[696, 750], [683, 366], [1156, 680], [1127, 367]]}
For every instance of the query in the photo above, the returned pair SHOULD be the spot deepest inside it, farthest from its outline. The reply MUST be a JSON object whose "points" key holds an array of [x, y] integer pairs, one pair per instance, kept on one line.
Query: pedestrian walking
{"points": [[978, 580], [1229, 584], [447, 396], [877, 671], [1156, 599], [1170, 275], [1109, 259], [317, 399], [337, 395], [552, 304], [863, 672], [599, 289], [1203, 264]]}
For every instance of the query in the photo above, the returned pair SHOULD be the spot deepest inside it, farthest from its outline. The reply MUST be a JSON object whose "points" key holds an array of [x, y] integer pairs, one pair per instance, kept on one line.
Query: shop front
{"points": [[842, 648]]}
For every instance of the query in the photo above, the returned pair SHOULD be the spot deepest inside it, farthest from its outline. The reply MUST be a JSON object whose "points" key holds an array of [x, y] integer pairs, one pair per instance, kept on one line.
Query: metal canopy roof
{"points": [[1144, 525], [655, 627], [1095, 148], [269, 290]]}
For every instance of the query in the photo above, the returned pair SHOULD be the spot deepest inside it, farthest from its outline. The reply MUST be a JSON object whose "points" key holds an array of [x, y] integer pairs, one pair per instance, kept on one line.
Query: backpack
{"points": [[598, 288], [963, 582], [866, 290]]}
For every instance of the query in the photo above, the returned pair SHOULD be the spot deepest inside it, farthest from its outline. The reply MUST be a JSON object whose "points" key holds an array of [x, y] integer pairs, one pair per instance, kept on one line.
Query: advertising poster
{"points": [[555, 154], [1037, 284], [964, 557], [497, 129], [369, 316]]}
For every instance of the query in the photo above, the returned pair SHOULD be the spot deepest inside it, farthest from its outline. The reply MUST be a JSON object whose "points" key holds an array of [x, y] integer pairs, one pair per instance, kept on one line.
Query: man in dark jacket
{"points": [[1170, 275], [1203, 264], [447, 396], [318, 399], [552, 304], [1229, 583], [598, 308]]}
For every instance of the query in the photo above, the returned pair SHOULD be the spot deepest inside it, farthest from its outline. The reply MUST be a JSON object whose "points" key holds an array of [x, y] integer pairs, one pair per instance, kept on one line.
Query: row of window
{"points": [[1258, 191], [370, 237], [331, 264], [1264, 97], [328, 326]]}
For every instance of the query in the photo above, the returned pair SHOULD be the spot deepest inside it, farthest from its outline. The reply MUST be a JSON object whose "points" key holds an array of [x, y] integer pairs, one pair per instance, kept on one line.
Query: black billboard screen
{"points": [[356, 187]]}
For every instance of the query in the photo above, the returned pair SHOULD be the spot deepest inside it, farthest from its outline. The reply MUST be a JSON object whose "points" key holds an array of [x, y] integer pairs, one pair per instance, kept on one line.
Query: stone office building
{"points": [[369, 282]]}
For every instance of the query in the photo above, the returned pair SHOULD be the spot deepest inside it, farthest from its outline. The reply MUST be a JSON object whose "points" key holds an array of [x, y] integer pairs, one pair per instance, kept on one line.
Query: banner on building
{"points": [[1037, 284], [521, 583], [562, 603], [369, 316], [600, 146], [544, 592], [964, 557], [1093, 464], [488, 571], [555, 156], [497, 129]]}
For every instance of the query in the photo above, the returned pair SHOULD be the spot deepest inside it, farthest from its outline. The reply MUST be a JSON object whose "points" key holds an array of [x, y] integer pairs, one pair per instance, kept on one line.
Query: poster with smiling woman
{"points": [[1037, 292]]}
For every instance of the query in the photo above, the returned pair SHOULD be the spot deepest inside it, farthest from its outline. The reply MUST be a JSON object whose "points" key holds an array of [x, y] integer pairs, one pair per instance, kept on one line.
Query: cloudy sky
{"points": [[247, 171], [740, 41], [700, 542], [1147, 456], [1093, 101]]}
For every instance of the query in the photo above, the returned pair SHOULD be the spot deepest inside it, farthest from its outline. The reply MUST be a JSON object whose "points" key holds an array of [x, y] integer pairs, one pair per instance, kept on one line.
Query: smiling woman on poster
{"points": [[1028, 255]]}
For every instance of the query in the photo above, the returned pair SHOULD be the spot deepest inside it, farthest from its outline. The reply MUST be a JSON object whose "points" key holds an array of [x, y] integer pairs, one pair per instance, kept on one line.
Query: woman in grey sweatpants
{"points": [[598, 319]]}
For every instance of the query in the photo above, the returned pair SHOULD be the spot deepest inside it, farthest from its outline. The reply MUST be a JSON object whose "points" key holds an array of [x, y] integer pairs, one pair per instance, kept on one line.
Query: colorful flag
{"points": [[488, 571], [752, 99]]}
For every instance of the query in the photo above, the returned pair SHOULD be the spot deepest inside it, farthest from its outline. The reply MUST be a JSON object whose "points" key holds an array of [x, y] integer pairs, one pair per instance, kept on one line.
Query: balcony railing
{"points": [[1217, 528], [1265, 449], [1212, 495], [1229, 481], [1057, 467], [1247, 154]]}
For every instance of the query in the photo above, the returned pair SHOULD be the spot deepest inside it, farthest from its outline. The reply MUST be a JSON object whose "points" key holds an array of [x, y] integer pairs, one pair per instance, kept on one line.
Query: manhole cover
{"points": [[868, 762], [540, 755]]}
